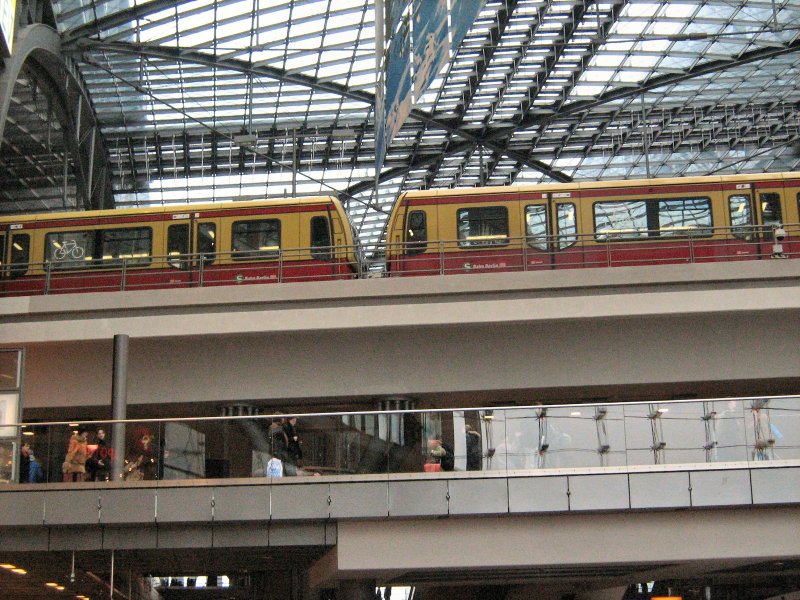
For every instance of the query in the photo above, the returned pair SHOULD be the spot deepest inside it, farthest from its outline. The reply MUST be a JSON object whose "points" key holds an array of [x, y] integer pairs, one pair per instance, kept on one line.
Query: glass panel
{"points": [[20, 254], [771, 213], [684, 216], [2, 248], [320, 238], [567, 225], [9, 413], [69, 250], [9, 369], [256, 239], [417, 232], [741, 216], [7, 449], [178, 244], [482, 226], [620, 220], [536, 226], [784, 425], [133, 245], [207, 241]]}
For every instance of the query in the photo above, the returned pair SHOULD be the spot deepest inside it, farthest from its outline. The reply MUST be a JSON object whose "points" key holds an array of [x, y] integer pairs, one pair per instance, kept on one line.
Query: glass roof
{"points": [[245, 99]]}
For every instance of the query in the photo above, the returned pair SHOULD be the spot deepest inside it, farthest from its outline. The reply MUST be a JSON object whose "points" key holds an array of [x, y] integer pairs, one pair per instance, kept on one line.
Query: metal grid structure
{"points": [[246, 99]]}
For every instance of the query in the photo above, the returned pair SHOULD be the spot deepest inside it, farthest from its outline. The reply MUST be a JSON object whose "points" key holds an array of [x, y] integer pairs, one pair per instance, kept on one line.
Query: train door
{"points": [[537, 235], [206, 268], [567, 253], [178, 249], [15, 249], [744, 242], [769, 214], [416, 256]]}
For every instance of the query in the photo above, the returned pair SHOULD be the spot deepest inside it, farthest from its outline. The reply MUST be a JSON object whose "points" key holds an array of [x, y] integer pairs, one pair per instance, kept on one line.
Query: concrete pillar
{"points": [[119, 404]]}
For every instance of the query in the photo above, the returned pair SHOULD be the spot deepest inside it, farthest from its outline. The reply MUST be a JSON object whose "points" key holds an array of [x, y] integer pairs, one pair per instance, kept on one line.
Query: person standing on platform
{"points": [[294, 453], [98, 465], [74, 467]]}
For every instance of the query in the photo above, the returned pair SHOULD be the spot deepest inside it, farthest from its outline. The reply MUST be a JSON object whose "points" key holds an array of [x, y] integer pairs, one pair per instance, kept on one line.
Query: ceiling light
{"points": [[8, 566], [19, 571], [51, 584]]}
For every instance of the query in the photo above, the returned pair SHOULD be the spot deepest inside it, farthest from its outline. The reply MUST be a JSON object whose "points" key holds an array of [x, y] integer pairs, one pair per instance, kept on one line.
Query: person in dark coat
{"points": [[24, 463], [98, 466], [473, 439], [294, 453]]}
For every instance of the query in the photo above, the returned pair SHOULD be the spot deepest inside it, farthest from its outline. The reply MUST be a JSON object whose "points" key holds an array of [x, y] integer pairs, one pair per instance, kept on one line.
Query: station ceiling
{"points": [[200, 100]]}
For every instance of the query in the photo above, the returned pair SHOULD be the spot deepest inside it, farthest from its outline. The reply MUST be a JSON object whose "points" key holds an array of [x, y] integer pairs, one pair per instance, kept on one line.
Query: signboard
{"points": [[8, 12]]}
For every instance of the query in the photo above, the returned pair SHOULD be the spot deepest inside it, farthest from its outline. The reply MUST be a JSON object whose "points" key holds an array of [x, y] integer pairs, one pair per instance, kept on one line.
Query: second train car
{"points": [[592, 224]]}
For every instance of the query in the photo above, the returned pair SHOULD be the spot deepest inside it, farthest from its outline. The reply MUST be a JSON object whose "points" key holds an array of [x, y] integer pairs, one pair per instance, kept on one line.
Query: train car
{"points": [[177, 246], [593, 224]]}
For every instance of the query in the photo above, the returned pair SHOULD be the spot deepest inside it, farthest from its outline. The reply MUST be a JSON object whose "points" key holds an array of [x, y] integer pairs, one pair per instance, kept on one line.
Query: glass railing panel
{"points": [[512, 440], [784, 415], [772, 428], [724, 431], [7, 450]]}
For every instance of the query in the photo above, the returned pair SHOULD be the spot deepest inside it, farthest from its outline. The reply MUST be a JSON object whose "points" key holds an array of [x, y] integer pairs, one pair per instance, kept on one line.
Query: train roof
{"points": [[167, 209], [586, 185]]}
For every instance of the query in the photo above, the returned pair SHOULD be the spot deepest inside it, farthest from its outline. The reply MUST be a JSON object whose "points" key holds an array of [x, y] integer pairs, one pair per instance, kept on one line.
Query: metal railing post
{"points": [[47, 273], [441, 257], [124, 274], [280, 265]]}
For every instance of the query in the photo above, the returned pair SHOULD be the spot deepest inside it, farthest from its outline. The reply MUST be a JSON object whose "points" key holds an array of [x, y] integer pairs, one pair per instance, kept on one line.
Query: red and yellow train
{"points": [[590, 224], [177, 246], [570, 225]]}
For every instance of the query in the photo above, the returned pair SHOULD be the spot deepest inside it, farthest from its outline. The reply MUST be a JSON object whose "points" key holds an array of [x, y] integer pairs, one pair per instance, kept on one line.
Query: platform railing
{"points": [[432, 443], [475, 254]]}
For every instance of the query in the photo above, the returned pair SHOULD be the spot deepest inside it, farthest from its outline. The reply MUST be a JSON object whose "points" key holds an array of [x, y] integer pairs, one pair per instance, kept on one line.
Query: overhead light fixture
{"points": [[8, 566], [19, 571], [51, 584], [28, 433], [575, 413]]}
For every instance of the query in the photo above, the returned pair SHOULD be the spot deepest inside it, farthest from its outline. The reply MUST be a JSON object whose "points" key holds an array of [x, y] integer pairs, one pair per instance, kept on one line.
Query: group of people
{"points": [[85, 461]]}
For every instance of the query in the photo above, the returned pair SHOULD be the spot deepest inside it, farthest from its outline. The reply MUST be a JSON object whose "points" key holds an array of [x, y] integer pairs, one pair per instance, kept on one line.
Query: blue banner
{"points": [[431, 50], [462, 17], [398, 82], [396, 9]]}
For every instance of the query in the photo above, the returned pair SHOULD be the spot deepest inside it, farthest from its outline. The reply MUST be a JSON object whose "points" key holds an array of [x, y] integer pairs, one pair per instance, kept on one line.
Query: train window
{"points": [[69, 250], [207, 241], [620, 220], [482, 226], [536, 226], [771, 209], [132, 246], [178, 244], [417, 232], [741, 217], [256, 239], [567, 225], [20, 254], [320, 238], [684, 216]]}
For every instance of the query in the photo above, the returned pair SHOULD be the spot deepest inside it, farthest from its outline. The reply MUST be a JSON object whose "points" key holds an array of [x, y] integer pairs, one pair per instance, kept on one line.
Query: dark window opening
{"points": [[417, 232], [207, 241], [321, 238], [178, 245]]}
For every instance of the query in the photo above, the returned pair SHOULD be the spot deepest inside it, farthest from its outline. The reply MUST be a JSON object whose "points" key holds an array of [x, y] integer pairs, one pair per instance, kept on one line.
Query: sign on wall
{"points": [[8, 11]]}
